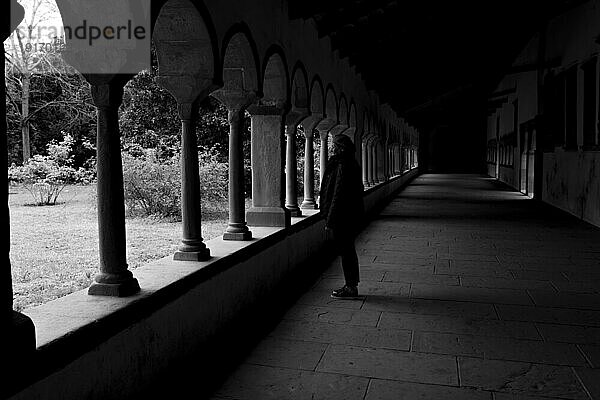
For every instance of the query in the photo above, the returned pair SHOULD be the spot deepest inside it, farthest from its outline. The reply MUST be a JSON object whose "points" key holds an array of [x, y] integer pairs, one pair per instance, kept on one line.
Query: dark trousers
{"points": [[344, 244]]}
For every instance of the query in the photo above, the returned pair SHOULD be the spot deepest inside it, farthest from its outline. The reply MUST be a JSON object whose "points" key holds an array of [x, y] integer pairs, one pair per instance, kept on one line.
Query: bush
{"points": [[45, 177], [153, 184]]}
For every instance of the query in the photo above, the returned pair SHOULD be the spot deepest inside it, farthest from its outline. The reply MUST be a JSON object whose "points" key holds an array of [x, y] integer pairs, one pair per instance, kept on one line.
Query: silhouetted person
{"points": [[341, 205]]}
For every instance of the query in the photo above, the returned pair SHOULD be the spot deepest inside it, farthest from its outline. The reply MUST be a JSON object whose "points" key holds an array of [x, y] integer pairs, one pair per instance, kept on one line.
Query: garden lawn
{"points": [[54, 249]]}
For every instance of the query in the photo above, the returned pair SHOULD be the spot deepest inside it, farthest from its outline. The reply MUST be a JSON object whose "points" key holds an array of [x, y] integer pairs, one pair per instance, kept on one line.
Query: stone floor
{"points": [[471, 291]]}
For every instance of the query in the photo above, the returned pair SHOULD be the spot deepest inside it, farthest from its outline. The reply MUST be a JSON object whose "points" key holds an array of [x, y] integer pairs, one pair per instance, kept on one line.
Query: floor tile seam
{"points": [[584, 355], [563, 366], [469, 301], [385, 379], [321, 358], [360, 346], [367, 389], [437, 385], [582, 383], [486, 357], [474, 335]]}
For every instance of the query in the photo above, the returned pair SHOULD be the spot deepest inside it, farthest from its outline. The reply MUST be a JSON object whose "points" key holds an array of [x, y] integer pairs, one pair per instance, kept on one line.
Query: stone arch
{"points": [[343, 111], [300, 91], [352, 130], [275, 84], [366, 124], [331, 105], [186, 50], [240, 60], [352, 115], [317, 97]]}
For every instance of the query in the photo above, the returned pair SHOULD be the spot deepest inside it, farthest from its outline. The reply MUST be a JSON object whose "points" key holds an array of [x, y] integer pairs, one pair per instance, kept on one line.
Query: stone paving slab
{"points": [[389, 364], [429, 307], [569, 333], [459, 325], [301, 312], [480, 295], [287, 353], [495, 348], [504, 283], [470, 292], [254, 382], [548, 315], [546, 298], [521, 378], [592, 354], [419, 277], [394, 390], [360, 336], [590, 378]]}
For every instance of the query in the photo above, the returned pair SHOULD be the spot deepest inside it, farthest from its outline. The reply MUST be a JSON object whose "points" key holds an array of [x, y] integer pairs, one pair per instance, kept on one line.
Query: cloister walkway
{"points": [[472, 291]]}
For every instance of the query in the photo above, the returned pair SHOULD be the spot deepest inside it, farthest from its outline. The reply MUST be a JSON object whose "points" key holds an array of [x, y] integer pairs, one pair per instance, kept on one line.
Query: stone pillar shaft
{"points": [[309, 125], [373, 169], [291, 171], [309, 174], [365, 164], [268, 177], [237, 228], [192, 246], [114, 278], [324, 153]]}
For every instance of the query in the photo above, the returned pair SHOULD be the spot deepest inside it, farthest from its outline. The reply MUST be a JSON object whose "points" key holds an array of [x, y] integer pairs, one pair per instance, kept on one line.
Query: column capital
{"points": [[107, 95], [310, 123], [296, 116], [235, 100], [326, 124], [185, 111]]}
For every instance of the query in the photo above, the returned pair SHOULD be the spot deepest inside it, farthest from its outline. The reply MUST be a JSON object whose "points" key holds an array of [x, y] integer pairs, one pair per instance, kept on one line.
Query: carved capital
{"points": [[185, 111], [107, 95]]}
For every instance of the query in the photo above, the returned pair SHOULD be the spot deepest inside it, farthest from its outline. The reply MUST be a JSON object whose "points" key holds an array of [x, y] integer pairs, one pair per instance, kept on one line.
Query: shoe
{"points": [[346, 292]]}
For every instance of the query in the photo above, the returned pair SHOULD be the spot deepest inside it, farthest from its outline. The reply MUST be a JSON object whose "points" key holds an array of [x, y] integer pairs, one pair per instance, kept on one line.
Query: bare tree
{"points": [[32, 50]]}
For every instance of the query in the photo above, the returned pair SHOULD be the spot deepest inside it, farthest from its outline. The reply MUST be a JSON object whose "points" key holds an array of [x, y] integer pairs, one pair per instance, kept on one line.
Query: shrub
{"points": [[151, 187], [46, 176], [153, 184]]}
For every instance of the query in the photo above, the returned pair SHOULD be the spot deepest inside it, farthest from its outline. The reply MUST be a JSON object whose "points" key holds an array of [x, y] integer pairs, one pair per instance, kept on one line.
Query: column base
{"points": [[309, 205], [268, 216], [121, 289], [294, 211], [201, 255], [237, 236]]}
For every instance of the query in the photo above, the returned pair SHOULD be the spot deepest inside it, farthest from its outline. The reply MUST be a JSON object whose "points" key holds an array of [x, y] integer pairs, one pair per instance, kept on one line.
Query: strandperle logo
{"points": [[96, 37], [87, 32]]}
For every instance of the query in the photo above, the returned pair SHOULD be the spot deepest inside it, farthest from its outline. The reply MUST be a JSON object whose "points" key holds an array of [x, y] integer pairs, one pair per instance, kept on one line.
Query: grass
{"points": [[54, 249]]}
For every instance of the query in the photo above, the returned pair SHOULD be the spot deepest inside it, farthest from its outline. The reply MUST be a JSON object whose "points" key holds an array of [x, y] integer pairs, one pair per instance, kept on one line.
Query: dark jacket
{"points": [[341, 200]]}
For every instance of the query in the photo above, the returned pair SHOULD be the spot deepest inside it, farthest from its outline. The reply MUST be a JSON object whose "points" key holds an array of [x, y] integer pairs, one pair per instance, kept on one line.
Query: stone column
{"points": [[324, 152], [373, 172], [293, 119], [192, 246], [18, 329], [268, 177], [237, 228], [309, 201], [365, 163], [236, 102], [369, 152], [390, 162], [114, 278]]}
